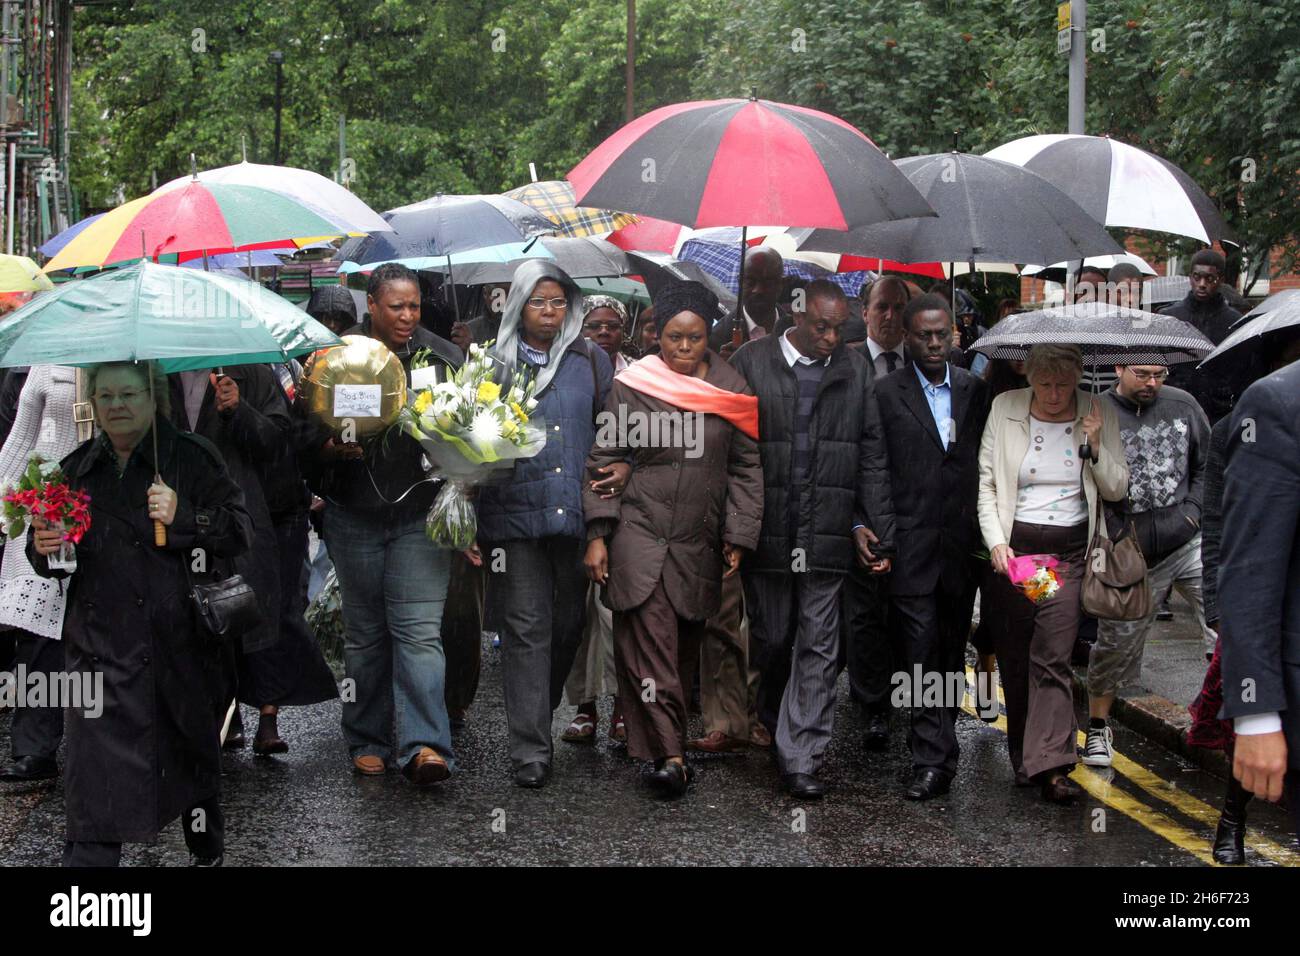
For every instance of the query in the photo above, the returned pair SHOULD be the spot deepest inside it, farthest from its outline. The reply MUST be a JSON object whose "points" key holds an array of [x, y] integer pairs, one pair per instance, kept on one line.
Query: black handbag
{"points": [[227, 608]]}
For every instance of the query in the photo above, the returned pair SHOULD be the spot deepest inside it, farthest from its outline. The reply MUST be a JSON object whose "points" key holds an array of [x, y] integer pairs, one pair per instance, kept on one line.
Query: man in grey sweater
{"points": [[1166, 440]]}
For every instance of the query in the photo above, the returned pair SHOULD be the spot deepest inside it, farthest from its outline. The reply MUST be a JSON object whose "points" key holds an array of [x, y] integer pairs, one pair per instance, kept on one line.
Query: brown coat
{"points": [[677, 510]]}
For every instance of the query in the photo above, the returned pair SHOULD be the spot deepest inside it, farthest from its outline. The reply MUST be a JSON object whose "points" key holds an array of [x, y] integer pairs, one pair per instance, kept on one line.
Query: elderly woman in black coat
{"points": [[149, 751]]}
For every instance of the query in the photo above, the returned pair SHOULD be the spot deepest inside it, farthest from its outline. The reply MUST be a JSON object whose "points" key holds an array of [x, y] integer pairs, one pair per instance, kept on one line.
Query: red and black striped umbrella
{"points": [[745, 162]]}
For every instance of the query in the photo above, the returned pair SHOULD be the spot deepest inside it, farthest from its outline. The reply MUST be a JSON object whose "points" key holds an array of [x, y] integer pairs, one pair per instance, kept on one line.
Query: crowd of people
{"points": [[836, 483]]}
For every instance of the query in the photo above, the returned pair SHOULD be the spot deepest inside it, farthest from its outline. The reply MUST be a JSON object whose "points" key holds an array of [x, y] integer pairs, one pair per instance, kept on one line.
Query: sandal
{"points": [[617, 729], [582, 729]]}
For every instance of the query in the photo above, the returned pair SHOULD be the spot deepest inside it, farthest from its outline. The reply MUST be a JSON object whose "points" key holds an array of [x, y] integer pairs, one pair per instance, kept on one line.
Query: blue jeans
{"points": [[393, 582]]}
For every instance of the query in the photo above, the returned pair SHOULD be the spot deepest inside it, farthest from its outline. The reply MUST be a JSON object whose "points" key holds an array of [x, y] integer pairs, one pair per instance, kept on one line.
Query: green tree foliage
{"points": [[460, 97]]}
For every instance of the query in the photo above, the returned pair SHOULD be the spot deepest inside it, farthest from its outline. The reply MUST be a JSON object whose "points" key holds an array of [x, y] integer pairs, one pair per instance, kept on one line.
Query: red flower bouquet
{"points": [[43, 492]]}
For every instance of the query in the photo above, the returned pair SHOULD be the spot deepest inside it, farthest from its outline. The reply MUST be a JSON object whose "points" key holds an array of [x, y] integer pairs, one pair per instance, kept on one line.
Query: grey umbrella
{"points": [[1277, 312], [1108, 334], [584, 257], [989, 211]]}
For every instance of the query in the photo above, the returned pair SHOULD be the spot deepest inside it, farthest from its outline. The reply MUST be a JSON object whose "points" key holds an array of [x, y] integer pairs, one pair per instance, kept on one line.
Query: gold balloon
{"points": [[361, 360]]}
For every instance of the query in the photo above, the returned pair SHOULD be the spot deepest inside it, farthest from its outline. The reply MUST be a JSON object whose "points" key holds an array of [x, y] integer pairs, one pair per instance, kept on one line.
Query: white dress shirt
{"points": [[882, 364]]}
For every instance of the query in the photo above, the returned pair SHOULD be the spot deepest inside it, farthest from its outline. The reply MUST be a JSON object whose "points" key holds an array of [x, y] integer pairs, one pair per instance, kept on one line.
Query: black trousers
{"points": [[37, 731], [462, 633], [869, 642], [205, 835], [933, 628]]}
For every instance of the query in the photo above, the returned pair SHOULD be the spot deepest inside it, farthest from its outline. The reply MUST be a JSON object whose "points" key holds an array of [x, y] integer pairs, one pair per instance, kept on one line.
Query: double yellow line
{"points": [[1158, 823]]}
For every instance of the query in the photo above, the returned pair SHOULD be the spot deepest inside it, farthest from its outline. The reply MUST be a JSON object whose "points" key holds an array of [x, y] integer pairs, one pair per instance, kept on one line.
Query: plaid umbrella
{"points": [[554, 199], [722, 261], [1108, 334]]}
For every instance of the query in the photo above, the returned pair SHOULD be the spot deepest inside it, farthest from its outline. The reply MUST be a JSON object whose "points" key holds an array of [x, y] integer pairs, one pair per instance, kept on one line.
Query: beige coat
{"points": [[1003, 448]]}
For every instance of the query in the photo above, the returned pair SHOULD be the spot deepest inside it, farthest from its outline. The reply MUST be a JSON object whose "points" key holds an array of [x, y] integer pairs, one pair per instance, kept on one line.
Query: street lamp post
{"points": [[277, 58]]}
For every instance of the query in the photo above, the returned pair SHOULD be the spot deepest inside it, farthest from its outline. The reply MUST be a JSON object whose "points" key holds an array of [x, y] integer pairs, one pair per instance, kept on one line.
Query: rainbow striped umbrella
{"points": [[198, 217]]}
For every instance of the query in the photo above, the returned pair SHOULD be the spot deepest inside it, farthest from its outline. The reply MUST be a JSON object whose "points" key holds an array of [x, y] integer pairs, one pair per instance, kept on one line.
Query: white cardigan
{"points": [[44, 424], [1005, 444]]}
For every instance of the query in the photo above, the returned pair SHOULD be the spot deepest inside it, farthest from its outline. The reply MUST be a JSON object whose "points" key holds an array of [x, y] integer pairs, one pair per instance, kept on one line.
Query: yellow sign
{"points": [[1063, 16]]}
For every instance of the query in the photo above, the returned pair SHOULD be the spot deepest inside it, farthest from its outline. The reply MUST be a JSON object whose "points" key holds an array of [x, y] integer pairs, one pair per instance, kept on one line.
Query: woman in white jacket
{"points": [[1033, 500], [28, 602]]}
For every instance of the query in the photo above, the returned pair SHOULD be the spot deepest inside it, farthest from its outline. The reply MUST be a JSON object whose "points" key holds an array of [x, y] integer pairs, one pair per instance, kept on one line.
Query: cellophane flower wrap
{"points": [[43, 492], [470, 426], [1035, 575]]}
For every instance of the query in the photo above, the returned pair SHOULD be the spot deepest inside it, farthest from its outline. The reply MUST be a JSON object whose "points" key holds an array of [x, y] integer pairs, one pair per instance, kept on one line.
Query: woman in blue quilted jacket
{"points": [[531, 528]]}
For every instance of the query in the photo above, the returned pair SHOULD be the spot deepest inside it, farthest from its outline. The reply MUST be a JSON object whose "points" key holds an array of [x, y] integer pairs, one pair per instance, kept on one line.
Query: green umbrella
{"points": [[183, 318], [627, 291]]}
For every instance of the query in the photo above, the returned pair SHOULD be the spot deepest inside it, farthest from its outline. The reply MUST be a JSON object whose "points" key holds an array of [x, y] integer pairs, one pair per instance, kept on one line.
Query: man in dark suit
{"points": [[1259, 586], [933, 416], [869, 645], [758, 313]]}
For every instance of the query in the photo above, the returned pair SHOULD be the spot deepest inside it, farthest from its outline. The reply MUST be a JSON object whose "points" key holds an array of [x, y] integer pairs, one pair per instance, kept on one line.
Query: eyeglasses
{"points": [[604, 326], [538, 303], [129, 397], [1157, 376]]}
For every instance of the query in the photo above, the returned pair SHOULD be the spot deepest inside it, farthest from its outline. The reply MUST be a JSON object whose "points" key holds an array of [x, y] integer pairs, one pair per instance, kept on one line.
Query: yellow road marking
{"points": [[1162, 789], [1139, 812]]}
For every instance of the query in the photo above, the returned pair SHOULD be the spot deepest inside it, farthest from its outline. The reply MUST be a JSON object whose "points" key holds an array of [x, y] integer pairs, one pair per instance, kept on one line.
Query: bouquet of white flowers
{"points": [[470, 426]]}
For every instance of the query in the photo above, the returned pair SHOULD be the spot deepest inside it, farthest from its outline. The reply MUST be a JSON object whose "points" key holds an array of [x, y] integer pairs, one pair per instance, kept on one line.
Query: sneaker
{"points": [[1098, 749]]}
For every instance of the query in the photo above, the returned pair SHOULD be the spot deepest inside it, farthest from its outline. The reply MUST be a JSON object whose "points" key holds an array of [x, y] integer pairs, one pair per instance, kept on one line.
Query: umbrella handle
{"points": [[159, 534]]}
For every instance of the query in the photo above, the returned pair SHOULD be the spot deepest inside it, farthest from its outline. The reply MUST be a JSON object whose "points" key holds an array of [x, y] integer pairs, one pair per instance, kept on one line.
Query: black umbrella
{"points": [[1277, 312], [1108, 335], [446, 224], [659, 268], [989, 211]]}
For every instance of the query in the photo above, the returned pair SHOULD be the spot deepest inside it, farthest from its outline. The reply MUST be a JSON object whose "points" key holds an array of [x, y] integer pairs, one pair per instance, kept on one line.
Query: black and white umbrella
{"points": [[1108, 335], [1120, 185], [989, 211]]}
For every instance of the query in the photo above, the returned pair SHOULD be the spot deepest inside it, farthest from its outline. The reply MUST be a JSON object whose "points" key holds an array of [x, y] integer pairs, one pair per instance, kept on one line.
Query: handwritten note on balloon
{"points": [[358, 401]]}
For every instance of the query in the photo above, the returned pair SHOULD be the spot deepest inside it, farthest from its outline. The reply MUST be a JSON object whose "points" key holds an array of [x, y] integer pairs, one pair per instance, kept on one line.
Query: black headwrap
{"points": [[685, 296]]}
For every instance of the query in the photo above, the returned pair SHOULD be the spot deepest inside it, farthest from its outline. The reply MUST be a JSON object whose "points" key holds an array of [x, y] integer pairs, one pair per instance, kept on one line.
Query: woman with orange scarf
{"points": [[691, 507]]}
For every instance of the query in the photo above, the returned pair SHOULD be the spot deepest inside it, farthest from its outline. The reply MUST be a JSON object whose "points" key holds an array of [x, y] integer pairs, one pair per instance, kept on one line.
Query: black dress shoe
{"points": [[670, 778], [1058, 788], [804, 786], [928, 783], [30, 768], [877, 735], [218, 860], [532, 775], [1230, 841], [235, 735]]}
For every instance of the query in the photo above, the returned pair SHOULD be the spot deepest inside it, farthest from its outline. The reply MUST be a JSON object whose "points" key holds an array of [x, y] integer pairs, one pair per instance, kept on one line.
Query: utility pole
{"points": [[1078, 64], [631, 58], [277, 59]]}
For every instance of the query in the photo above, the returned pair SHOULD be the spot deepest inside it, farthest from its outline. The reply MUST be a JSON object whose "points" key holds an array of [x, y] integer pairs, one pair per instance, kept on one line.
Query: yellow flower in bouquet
{"points": [[519, 413], [424, 400], [488, 391]]}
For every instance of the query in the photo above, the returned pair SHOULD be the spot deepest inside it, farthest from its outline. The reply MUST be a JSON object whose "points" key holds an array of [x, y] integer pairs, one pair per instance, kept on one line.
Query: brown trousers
{"points": [[1033, 644], [728, 686], [655, 654]]}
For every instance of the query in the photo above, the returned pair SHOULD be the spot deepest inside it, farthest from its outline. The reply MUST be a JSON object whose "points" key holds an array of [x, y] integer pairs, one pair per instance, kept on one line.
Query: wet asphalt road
{"points": [[308, 808]]}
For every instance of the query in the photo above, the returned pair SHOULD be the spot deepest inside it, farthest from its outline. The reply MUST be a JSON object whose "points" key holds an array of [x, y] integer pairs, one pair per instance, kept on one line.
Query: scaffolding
{"points": [[35, 106]]}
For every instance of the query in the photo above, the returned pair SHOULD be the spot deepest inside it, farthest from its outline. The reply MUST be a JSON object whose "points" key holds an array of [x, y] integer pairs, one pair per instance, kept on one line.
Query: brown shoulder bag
{"points": [[1115, 574]]}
